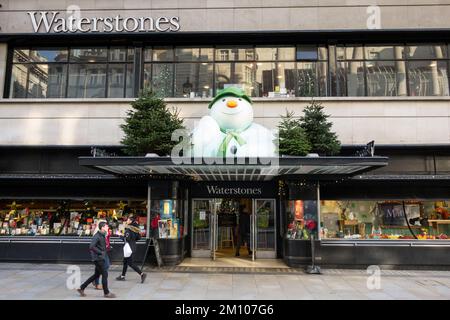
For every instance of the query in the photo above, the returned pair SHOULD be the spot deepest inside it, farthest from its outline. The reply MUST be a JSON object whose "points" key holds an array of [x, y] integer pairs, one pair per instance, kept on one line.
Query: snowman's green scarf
{"points": [[230, 135]]}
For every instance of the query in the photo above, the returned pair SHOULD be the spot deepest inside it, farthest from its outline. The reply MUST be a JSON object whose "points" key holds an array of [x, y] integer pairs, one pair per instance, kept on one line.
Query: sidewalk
{"points": [[48, 281]]}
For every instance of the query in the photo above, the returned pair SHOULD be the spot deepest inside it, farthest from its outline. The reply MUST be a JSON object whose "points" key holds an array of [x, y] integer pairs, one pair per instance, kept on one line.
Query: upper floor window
{"points": [[306, 70], [97, 72]]}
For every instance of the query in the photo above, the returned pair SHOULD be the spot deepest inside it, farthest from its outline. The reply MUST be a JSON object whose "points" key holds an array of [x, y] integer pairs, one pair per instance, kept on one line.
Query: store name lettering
{"points": [[52, 22], [216, 190]]}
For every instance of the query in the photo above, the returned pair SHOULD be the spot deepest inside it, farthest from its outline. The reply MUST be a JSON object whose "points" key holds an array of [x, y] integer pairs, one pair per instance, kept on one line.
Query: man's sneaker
{"points": [[120, 278], [81, 292], [143, 276], [110, 295]]}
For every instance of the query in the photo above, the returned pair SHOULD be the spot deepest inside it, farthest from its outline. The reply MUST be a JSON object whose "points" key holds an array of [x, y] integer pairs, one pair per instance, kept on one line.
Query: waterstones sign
{"points": [[238, 191], [232, 189], [72, 22]]}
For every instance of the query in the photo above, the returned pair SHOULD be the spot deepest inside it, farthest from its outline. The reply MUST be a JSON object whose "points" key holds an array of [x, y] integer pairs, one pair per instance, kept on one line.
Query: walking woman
{"points": [[130, 237]]}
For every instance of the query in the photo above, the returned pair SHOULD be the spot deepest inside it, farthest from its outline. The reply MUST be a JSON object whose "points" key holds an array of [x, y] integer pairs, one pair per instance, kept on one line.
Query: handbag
{"points": [[127, 250]]}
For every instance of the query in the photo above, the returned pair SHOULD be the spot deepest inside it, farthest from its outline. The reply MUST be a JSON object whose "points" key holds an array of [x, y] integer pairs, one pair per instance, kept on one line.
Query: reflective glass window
{"points": [[194, 80], [87, 81]]}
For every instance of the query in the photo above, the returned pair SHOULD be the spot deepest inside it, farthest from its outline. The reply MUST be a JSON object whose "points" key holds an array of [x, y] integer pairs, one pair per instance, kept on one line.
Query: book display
{"points": [[66, 218]]}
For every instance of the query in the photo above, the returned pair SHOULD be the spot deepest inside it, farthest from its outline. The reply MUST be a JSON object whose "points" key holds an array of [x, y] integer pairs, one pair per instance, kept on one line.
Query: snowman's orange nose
{"points": [[232, 104]]}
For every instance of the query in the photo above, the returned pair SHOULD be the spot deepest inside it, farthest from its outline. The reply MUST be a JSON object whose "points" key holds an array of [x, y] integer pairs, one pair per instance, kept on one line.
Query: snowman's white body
{"points": [[210, 132]]}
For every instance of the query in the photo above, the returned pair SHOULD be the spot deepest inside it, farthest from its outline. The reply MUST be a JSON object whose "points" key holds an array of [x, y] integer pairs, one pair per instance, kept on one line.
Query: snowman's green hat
{"points": [[231, 91]]}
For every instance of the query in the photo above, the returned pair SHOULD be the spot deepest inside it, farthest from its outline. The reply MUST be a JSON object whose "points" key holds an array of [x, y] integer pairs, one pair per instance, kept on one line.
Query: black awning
{"points": [[241, 169]]}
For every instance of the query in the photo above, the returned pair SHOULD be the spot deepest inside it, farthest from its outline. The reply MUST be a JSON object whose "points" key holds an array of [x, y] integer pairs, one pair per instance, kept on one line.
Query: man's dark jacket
{"points": [[244, 224], [98, 247]]}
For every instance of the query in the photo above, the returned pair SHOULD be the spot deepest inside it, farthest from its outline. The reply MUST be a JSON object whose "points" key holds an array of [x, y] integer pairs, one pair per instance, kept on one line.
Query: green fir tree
{"points": [[149, 126], [318, 130], [292, 137]]}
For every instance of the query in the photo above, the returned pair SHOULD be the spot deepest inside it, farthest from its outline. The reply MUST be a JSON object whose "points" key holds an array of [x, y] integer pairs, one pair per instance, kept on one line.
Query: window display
{"points": [[302, 219], [167, 219], [402, 219], [67, 217]]}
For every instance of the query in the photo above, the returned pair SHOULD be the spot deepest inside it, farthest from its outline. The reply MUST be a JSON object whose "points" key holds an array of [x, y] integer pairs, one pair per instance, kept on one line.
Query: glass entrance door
{"points": [[202, 221], [208, 236], [264, 227]]}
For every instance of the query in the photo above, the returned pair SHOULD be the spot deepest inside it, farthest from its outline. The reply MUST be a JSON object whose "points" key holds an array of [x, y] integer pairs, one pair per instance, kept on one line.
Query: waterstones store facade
{"points": [[68, 75]]}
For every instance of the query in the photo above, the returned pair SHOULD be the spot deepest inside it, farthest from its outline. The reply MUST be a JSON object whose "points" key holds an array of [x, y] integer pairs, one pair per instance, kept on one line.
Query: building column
{"points": [[3, 57], [435, 71], [400, 69]]}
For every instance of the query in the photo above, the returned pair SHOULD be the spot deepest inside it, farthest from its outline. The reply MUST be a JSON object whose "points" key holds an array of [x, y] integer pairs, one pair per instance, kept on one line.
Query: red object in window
{"points": [[311, 225], [154, 223]]}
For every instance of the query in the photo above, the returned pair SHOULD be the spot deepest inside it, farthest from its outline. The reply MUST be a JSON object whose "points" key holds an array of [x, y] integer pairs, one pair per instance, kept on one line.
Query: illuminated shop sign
{"points": [[222, 191], [54, 22], [233, 189]]}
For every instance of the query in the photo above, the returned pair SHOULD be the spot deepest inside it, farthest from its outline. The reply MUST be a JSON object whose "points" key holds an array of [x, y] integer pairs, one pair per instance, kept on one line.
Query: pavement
{"points": [[49, 281]]}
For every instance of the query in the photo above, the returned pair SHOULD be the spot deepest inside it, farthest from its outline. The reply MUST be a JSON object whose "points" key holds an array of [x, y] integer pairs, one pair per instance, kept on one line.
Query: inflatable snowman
{"points": [[229, 131]]}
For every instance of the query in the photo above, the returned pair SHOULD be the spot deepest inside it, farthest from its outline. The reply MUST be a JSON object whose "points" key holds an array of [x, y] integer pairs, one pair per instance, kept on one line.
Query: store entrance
{"points": [[241, 228]]}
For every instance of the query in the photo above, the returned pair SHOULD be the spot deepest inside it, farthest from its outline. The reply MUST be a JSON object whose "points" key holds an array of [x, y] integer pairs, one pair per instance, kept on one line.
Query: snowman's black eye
{"points": [[223, 100], [240, 99]]}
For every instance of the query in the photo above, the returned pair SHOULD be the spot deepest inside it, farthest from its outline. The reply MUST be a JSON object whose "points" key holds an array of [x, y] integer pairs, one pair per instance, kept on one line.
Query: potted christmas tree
{"points": [[149, 126], [318, 130]]}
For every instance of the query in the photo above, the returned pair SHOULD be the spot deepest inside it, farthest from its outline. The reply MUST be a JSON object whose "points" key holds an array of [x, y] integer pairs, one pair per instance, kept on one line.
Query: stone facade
{"points": [[401, 120]]}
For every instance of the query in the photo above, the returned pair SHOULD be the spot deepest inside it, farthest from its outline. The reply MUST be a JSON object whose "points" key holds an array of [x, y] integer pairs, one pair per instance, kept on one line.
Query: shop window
{"points": [[428, 78], [120, 78], [162, 54], [437, 51], [386, 78], [307, 53], [87, 81], [235, 54], [121, 54], [18, 87], [72, 73], [233, 74], [274, 79], [88, 55], [47, 80], [349, 53], [49, 55], [194, 80], [397, 220], [275, 54], [162, 79], [51, 217], [384, 52], [301, 219], [147, 76], [167, 219], [21, 55], [350, 79], [194, 54], [311, 79]]}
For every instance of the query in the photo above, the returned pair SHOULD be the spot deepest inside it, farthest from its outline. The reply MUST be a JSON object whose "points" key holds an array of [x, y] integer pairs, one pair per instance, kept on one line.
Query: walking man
{"points": [[98, 256], [244, 230]]}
